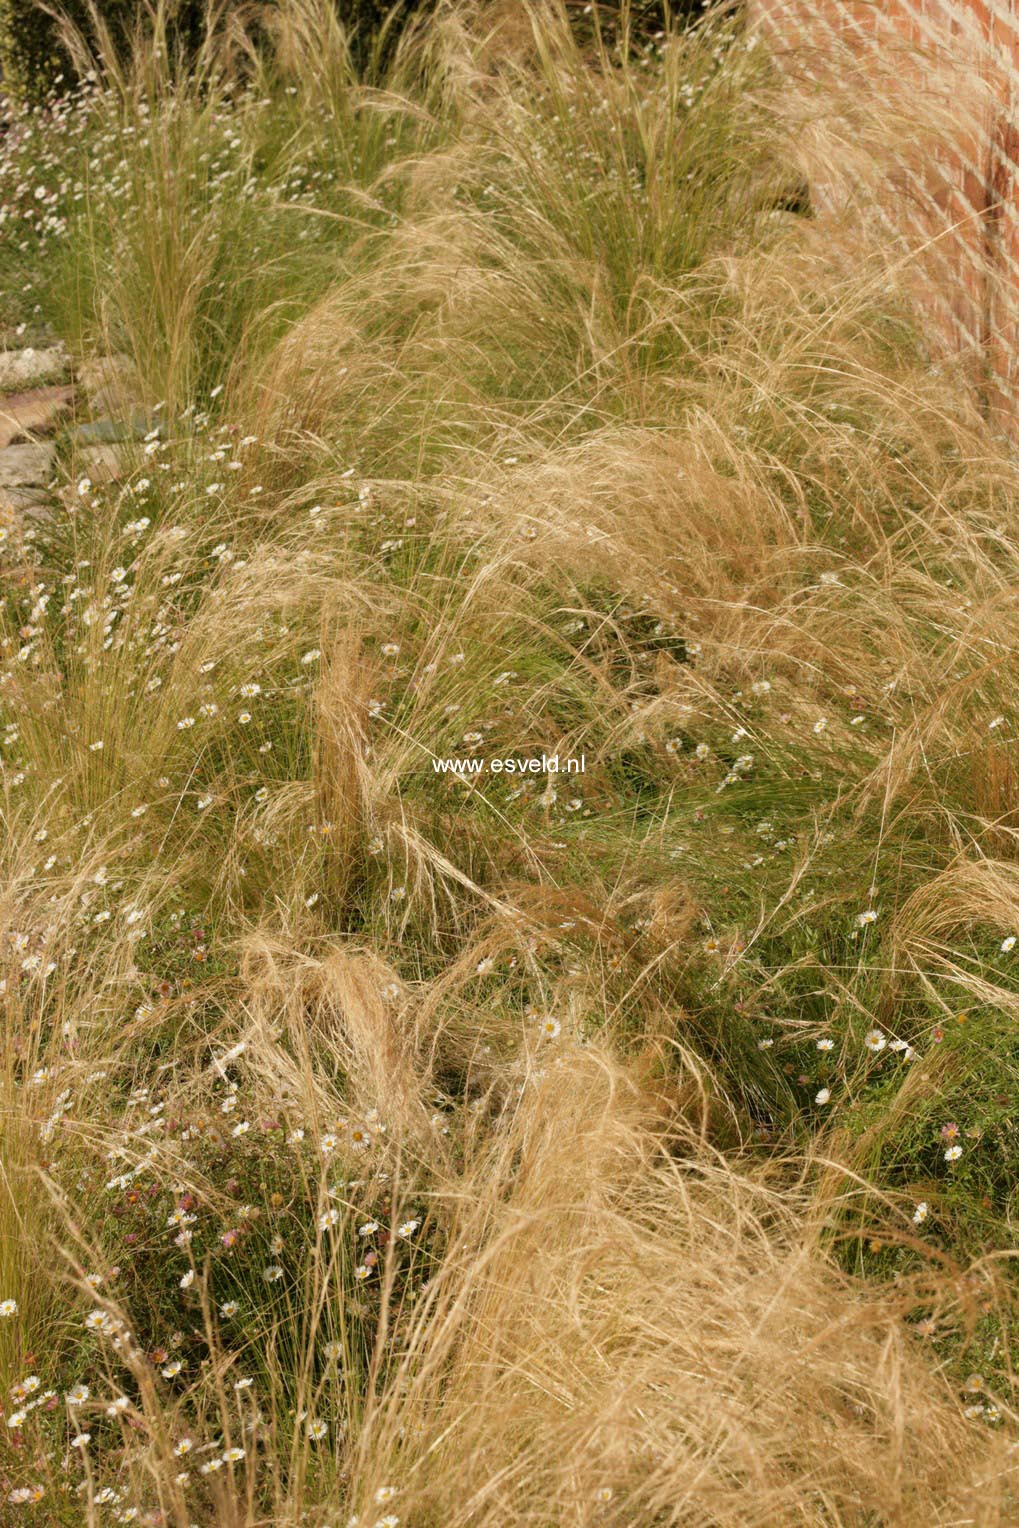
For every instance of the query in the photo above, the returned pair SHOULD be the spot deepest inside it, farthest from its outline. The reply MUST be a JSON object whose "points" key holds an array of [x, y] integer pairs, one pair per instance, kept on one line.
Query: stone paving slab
{"points": [[102, 463], [23, 368], [37, 412], [28, 466], [110, 431], [42, 387]]}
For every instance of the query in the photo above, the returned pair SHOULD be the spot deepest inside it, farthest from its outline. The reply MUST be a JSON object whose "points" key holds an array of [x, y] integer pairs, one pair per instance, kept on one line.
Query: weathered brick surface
{"points": [[955, 201]]}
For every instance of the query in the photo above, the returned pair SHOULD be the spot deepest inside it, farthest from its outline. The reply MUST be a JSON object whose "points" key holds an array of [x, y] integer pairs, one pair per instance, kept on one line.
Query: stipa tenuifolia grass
{"points": [[409, 1146]]}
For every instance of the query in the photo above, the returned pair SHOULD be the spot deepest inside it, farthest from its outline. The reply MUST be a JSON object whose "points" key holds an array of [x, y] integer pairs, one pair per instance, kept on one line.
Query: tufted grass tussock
{"points": [[385, 1145]]}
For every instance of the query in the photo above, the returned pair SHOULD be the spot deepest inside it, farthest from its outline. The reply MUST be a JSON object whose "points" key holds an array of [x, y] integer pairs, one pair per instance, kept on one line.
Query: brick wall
{"points": [[943, 75]]}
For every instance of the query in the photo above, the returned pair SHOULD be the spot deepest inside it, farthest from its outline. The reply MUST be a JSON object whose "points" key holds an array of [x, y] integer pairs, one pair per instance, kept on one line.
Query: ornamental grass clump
{"points": [[508, 906]]}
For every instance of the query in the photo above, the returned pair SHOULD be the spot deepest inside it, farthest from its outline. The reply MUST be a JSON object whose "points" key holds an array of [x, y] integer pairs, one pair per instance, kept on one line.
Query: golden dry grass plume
{"points": [[389, 1138]]}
